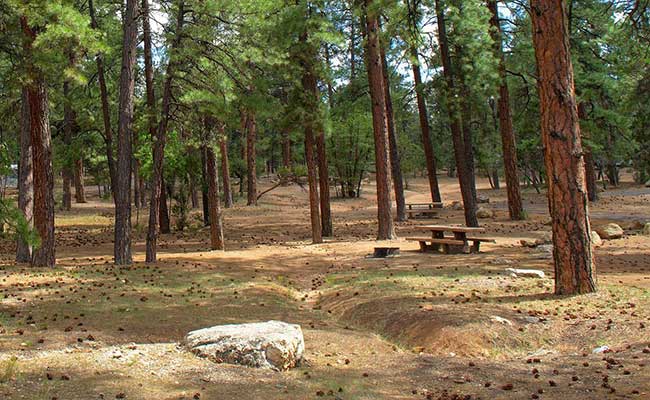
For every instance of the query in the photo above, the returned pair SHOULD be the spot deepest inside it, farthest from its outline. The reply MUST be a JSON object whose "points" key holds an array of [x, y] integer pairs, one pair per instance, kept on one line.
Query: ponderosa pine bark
{"points": [[106, 111], [43, 176], [214, 204], [122, 244], [508, 140], [563, 153], [225, 167], [251, 139], [25, 178], [164, 222], [395, 164], [464, 171], [386, 229], [204, 186]]}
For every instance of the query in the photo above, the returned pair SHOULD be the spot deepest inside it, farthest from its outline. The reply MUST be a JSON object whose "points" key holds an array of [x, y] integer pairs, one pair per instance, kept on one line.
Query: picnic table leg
{"points": [[436, 246], [476, 247], [465, 248]]}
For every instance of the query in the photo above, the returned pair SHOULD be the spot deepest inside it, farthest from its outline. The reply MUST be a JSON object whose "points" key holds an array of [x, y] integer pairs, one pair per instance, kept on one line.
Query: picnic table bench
{"points": [[422, 210], [458, 243]]}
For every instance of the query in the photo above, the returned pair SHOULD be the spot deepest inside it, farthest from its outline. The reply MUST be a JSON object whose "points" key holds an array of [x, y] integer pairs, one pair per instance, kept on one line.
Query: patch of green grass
{"points": [[8, 369]]}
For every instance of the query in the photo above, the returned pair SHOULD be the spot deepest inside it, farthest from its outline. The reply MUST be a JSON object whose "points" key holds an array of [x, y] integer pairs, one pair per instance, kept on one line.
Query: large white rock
{"points": [[610, 231], [595, 239], [484, 212], [274, 344]]}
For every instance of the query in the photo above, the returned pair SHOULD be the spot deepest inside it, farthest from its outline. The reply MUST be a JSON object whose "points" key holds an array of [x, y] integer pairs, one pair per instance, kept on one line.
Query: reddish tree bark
{"points": [[25, 178], [43, 176], [563, 153], [386, 229], [122, 244], [463, 166], [508, 140]]}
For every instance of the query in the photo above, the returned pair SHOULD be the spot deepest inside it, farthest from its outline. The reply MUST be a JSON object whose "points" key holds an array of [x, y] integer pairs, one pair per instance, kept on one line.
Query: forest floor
{"points": [[416, 326]]}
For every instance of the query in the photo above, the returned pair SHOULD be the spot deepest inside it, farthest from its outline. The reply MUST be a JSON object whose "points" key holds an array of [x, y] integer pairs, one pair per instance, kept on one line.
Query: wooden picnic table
{"points": [[458, 243], [422, 210], [412, 206]]}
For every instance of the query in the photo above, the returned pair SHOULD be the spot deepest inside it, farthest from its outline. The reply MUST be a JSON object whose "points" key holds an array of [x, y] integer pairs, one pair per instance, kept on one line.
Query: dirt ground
{"points": [[416, 326]]}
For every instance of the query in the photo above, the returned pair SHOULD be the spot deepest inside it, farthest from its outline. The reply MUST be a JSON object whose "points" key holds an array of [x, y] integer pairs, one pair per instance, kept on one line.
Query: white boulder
{"points": [[274, 344], [525, 273]]}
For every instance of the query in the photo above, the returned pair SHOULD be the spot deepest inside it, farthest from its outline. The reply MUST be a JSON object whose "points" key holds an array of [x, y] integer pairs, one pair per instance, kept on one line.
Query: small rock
{"points": [[646, 229], [526, 273], [457, 205], [484, 212], [529, 243], [600, 349], [610, 231], [595, 239], [501, 320], [482, 199]]}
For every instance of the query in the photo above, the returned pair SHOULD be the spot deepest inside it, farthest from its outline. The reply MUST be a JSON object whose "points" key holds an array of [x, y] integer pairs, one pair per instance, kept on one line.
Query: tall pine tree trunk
{"points": [[225, 167], [563, 153], [508, 141], [386, 229], [286, 148], [79, 188], [425, 130], [395, 164], [463, 165], [310, 90], [25, 178], [158, 213], [216, 227], [122, 244], [204, 186], [68, 118], [251, 139], [43, 176], [106, 111]]}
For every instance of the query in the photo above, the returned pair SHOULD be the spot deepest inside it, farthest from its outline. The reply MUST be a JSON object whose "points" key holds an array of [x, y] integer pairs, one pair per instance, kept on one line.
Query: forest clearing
{"points": [[340, 199], [407, 327]]}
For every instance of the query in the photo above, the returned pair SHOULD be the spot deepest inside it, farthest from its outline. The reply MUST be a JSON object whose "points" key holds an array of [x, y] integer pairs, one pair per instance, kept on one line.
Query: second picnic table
{"points": [[458, 243]]}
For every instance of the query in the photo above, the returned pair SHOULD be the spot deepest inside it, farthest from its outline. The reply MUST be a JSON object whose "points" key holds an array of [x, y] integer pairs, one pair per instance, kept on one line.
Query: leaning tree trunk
{"points": [[225, 167], [386, 229], [25, 178], [216, 227], [106, 111], [463, 169], [43, 176], [251, 138], [563, 153], [508, 140], [122, 246], [395, 164], [425, 130]]}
